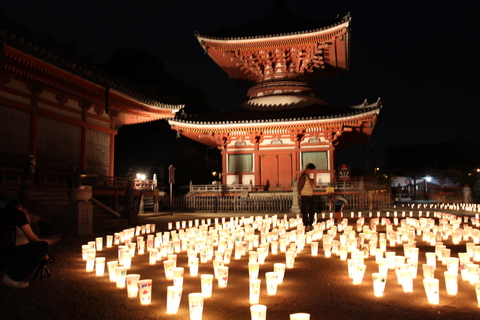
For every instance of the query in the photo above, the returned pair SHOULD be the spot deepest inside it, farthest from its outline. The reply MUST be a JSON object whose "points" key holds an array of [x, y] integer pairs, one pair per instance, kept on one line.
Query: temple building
{"points": [[62, 109], [284, 124]]}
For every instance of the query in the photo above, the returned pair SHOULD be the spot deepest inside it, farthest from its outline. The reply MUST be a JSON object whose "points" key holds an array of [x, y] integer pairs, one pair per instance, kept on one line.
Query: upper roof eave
{"points": [[285, 117], [265, 29]]}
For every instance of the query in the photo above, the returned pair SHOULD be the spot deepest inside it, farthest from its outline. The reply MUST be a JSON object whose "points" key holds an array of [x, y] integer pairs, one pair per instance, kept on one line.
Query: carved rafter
{"points": [[286, 62], [255, 137], [224, 137], [99, 110], [333, 133], [35, 88], [61, 98], [297, 135], [85, 105]]}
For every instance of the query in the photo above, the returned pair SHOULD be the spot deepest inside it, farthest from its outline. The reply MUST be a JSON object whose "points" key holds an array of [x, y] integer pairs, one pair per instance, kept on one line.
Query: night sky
{"points": [[419, 57]]}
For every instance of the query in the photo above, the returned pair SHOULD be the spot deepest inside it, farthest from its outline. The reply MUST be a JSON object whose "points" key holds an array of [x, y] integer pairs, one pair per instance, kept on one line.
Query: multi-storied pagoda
{"points": [[284, 124]]}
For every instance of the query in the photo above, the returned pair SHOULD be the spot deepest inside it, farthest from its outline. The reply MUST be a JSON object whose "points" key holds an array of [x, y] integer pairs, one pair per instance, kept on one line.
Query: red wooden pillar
{"points": [[33, 136]]}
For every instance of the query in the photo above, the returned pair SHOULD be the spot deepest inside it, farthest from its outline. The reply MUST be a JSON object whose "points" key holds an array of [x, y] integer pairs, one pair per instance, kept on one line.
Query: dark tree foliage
{"points": [[155, 144]]}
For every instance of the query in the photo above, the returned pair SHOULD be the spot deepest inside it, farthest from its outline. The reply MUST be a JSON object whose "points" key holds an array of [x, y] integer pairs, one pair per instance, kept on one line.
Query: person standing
{"points": [[338, 202], [19, 260], [305, 190]]}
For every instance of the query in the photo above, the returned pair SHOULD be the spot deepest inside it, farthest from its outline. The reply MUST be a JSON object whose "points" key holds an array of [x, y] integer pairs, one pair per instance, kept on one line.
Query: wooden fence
{"points": [[275, 203]]}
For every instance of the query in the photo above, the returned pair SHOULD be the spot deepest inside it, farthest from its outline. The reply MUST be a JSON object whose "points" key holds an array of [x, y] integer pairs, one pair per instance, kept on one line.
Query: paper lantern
{"points": [[428, 271], [431, 286], [258, 312], [290, 258], [431, 258], [358, 274], [132, 285], [109, 241], [473, 273], [253, 268], [207, 284], [379, 281], [168, 266], [327, 248], [99, 266], [390, 256], [145, 291], [174, 295], [193, 266], [120, 277], [90, 265], [222, 276], [272, 283], [477, 291], [195, 304], [279, 268], [178, 276], [99, 243], [254, 296], [111, 265], [451, 282]]}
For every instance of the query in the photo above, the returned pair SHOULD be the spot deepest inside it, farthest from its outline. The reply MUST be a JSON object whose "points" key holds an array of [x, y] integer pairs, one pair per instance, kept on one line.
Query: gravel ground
{"points": [[316, 285]]}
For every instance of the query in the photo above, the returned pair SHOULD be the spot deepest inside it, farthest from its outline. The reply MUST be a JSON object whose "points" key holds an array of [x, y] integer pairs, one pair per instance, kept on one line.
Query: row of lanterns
{"points": [[234, 238], [237, 238]]}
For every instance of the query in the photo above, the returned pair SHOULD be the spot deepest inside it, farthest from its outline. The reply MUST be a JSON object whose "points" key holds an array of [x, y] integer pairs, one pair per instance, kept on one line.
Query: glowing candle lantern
{"points": [[445, 255], [379, 281], [272, 283], [222, 276], [451, 282], [153, 256], [258, 312], [327, 247], [477, 291], [314, 248], [431, 286], [145, 291], [253, 269], [216, 264], [279, 268], [452, 264], [473, 273], [99, 266], [85, 248], [178, 276], [132, 285], [109, 241], [120, 277], [431, 258], [428, 271], [174, 295], [343, 253], [406, 280], [193, 266], [126, 259], [290, 258], [254, 295], [390, 256], [227, 255], [90, 264], [111, 265], [413, 266], [207, 284], [168, 266], [359, 272], [300, 316], [195, 304]]}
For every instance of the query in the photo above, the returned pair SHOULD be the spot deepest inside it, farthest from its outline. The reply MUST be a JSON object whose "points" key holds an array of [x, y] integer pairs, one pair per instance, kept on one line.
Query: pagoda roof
{"points": [[150, 104], [280, 23], [250, 114]]}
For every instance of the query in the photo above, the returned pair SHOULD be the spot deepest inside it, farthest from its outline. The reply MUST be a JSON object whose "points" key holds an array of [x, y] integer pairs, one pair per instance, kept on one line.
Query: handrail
{"points": [[106, 207]]}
